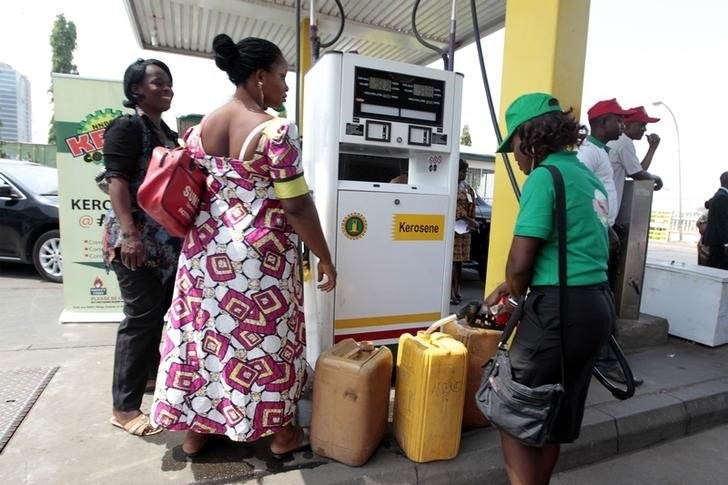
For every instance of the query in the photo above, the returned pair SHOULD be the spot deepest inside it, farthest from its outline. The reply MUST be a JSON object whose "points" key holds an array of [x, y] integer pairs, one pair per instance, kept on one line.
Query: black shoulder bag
{"points": [[526, 413]]}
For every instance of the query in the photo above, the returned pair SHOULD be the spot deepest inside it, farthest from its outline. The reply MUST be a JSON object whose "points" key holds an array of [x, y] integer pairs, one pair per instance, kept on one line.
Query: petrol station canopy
{"points": [[375, 28]]}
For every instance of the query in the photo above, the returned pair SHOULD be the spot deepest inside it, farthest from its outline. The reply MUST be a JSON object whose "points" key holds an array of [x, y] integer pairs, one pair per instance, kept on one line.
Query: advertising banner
{"points": [[83, 109]]}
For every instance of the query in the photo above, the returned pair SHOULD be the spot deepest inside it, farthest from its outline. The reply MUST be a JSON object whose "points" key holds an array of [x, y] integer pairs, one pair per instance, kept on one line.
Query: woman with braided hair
{"points": [[233, 354]]}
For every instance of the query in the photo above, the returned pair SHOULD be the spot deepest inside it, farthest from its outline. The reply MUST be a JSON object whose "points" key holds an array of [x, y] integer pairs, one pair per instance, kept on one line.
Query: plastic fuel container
{"points": [[429, 393], [350, 401], [481, 344]]}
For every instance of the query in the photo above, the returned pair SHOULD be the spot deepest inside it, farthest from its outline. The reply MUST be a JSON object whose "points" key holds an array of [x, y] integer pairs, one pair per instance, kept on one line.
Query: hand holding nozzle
{"points": [[502, 310]]}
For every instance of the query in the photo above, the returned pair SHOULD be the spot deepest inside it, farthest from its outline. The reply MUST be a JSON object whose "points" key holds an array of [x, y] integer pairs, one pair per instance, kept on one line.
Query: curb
{"points": [[618, 427], [609, 429]]}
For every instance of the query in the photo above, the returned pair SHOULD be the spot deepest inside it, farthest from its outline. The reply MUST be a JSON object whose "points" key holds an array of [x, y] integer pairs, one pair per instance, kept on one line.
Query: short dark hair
{"points": [[724, 179], [135, 73], [549, 133], [463, 164], [241, 60]]}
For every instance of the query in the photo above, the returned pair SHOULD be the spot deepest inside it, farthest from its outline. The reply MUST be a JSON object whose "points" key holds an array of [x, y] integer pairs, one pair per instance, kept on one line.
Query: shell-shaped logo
{"points": [[354, 225]]}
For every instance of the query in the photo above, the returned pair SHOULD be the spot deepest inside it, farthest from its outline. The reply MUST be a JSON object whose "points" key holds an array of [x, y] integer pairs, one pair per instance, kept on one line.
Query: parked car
{"points": [[29, 217], [479, 240]]}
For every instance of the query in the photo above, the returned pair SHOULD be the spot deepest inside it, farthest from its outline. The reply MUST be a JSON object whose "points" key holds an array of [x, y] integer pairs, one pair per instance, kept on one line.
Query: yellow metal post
{"points": [[305, 55], [305, 58], [544, 51]]}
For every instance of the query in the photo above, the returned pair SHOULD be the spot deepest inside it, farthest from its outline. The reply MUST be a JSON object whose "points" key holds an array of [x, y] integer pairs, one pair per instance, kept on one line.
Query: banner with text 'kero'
{"points": [[83, 109]]}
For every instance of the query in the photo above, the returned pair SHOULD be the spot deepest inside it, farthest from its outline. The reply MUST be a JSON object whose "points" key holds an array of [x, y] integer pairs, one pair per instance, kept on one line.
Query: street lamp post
{"points": [[679, 169]]}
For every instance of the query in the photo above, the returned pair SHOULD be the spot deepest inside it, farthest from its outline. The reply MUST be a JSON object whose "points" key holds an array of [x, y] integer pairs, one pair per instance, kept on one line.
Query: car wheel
{"points": [[47, 256]]}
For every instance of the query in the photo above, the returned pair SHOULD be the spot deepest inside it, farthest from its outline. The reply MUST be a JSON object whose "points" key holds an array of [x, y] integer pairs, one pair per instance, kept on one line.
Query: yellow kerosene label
{"points": [[418, 227]]}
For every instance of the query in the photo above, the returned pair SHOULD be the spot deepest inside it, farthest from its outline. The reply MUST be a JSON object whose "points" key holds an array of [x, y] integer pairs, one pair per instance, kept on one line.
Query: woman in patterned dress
{"points": [[465, 212], [233, 354]]}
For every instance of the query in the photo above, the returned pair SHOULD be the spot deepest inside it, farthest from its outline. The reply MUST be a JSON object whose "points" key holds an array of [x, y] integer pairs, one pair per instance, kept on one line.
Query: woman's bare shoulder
{"points": [[219, 117], [213, 132]]}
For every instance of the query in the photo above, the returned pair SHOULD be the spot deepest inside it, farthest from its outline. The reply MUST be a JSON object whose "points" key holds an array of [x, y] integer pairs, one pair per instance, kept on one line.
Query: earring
{"points": [[532, 162], [262, 96]]}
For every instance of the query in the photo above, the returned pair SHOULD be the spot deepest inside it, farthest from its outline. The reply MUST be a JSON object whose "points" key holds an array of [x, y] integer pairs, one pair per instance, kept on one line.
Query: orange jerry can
{"points": [[481, 344], [350, 401], [429, 393]]}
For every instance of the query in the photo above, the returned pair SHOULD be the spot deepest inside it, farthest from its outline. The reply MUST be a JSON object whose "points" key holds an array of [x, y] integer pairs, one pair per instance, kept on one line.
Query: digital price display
{"points": [[398, 97], [423, 90], [380, 84]]}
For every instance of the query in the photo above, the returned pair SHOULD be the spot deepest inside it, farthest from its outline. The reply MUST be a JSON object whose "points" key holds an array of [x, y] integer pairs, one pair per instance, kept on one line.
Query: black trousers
{"points": [[136, 358], [717, 257], [536, 349]]}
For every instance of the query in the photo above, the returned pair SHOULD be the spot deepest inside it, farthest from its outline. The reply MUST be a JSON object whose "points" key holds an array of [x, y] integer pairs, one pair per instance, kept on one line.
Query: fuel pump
{"points": [[366, 122]]}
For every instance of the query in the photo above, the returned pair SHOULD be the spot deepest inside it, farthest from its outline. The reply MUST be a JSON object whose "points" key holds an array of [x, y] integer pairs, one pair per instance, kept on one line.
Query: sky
{"points": [[639, 51]]}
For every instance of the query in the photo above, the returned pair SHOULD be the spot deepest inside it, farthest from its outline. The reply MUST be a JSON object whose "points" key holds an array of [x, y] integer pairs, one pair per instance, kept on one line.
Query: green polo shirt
{"points": [[587, 248]]}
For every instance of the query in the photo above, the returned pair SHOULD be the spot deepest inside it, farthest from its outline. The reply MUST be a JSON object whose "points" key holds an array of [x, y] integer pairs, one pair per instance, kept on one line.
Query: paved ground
{"points": [[698, 459], [66, 437]]}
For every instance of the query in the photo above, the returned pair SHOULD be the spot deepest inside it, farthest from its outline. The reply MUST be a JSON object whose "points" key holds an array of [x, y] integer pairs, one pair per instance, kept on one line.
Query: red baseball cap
{"points": [[606, 107], [639, 114]]}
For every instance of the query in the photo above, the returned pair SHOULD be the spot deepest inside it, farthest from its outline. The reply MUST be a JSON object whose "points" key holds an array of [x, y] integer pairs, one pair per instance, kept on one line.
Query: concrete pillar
{"points": [[544, 51]]}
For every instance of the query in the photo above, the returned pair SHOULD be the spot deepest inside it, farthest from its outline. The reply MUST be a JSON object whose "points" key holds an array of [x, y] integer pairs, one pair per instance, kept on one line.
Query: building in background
{"points": [[15, 116], [480, 172], [185, 122]]}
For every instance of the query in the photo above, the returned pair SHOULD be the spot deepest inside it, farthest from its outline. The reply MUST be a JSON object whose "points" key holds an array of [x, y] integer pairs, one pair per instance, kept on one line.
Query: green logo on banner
{"points": [[88, 140]]}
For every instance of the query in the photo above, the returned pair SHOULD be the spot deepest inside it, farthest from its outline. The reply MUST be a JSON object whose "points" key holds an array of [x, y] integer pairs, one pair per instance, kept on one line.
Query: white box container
{"points": [[693, 299]]}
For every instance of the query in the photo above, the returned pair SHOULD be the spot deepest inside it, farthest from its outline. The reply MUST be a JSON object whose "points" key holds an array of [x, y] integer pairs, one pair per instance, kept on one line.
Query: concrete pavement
{"points": [[696, 459], [66, 437]]}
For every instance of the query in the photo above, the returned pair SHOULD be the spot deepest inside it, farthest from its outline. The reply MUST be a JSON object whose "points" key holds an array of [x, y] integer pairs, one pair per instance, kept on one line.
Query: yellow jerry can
{"points": [[350, 401], [429, 393]]}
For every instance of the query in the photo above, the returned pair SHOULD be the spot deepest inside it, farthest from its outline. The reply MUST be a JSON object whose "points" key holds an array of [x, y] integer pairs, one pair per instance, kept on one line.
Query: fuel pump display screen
{"points": [[397, 97]]}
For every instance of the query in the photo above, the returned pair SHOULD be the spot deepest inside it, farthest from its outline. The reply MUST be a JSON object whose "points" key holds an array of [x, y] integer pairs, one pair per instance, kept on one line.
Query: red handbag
{"points": [[172, 189]]}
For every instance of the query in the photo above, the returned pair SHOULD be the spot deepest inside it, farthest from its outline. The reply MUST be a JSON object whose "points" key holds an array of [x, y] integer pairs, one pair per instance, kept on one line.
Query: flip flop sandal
{"points": [[139, 426]]}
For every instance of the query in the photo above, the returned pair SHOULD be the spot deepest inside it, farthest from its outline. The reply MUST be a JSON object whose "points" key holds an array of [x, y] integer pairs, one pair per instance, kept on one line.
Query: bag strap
{"points": [[250, 137], [560, 204], [561, 229]]}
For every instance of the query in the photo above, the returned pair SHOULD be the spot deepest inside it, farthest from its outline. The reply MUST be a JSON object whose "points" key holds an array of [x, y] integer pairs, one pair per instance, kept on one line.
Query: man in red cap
{"points": [[623, 155], [606, 123]]}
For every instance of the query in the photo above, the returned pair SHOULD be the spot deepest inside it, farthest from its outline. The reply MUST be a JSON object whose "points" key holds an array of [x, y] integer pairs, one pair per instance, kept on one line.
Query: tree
{"points": [[465, 139], [63, 43]]}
